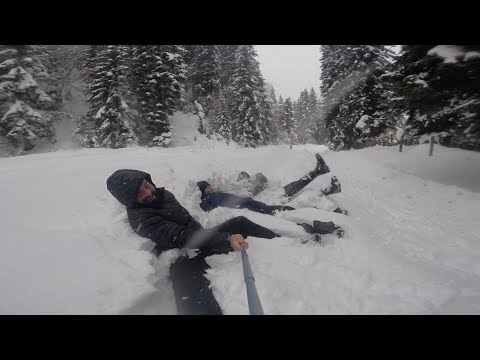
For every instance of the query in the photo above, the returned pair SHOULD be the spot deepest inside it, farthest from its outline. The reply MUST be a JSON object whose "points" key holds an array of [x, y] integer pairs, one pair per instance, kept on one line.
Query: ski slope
{"points": [[412, 239]]}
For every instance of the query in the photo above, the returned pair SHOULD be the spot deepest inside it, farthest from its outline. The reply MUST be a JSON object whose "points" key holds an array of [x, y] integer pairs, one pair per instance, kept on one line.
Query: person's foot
{"points": [[307, 227], [340, 211], [334, 188], [261, 179], [322, 167], [259, 184], [340, 232], [243, 176], [321, 227]]}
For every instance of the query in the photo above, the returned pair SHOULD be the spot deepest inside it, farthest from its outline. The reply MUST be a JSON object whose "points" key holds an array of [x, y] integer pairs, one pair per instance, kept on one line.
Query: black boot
{"points": [[340, 211], [243, 176], [259, 184], [334, 188], [322, 167], [307, 227], [321, 227]]}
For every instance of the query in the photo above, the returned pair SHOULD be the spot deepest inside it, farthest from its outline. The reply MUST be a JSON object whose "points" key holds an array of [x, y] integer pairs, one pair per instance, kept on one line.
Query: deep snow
{"points": [[411, 246]]}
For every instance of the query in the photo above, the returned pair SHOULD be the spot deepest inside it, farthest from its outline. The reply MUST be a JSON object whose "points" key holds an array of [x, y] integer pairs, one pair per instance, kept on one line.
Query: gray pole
{"points": [[254, 304]]}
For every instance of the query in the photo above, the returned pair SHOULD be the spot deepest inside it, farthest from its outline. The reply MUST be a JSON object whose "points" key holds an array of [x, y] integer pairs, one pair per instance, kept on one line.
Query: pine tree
{"points": [[109, 122], [250, 109], [227, 55], [288, 123], [273, 131], [317, 132], [24, 116], [350, 88], [205, 73], [203, 81], [438, 93], [221, 121], [157, 80], [303, 117]]}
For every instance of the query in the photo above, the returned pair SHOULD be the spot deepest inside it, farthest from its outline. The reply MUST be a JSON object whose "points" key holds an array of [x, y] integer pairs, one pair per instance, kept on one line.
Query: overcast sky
{"points": [[290, 68]]}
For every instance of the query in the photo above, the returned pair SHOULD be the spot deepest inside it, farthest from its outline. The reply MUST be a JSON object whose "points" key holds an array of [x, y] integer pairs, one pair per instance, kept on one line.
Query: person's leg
{"points": [[271, 209], [245, 227], [191, 288], [295, 186]]}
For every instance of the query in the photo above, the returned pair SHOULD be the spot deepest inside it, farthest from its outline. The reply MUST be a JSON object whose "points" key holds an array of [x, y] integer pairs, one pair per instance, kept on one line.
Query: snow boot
{"points": [[340, 211], [334, 188], [322, 167], [320, 227]]}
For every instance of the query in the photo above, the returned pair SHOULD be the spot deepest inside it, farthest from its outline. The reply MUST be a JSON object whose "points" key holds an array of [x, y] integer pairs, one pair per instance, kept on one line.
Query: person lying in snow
{"points": [[211, 200], [155, 213]]}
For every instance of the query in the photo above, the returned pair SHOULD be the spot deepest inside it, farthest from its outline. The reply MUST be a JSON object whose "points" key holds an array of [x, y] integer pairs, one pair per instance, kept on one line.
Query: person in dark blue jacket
{"points": [[211, 199]]}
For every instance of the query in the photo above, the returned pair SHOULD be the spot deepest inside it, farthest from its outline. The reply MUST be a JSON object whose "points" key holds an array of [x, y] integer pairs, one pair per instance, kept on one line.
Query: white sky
{"points": [[290, 68]]}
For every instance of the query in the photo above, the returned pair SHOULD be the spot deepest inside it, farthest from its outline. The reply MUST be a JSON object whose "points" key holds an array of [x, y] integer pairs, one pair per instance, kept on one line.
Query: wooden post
{"points": [[432, 139], [401, 143], [291, 137]]}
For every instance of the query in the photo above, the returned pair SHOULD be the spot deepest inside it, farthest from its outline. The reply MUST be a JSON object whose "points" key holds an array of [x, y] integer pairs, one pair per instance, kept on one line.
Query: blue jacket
{"points": [[221, 199]]}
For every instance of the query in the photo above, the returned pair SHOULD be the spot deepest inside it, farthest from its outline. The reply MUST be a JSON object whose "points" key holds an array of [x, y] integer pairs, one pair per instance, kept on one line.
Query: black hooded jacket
{"points": [[165, 221]]}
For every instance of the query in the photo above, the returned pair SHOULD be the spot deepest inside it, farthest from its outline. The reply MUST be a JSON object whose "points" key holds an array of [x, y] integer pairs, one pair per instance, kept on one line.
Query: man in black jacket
{"points": [[154, 213]]}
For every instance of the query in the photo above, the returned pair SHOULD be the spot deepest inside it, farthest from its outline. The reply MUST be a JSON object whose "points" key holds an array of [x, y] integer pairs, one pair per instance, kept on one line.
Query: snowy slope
{"points": [[411, 247]]}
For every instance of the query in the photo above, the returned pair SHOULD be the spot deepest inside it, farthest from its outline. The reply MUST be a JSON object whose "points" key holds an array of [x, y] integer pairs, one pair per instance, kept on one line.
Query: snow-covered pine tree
{"points": [[205, 73], [109, 122], [227, 54], [62, 60], [221, 124], [203, 81], [288, 123], [24, 117], [350, 74], [189, 51], [438, 89], [266, 109], [250, 109], [273, 131], [157, 79], [303, 117], [317, 132]]}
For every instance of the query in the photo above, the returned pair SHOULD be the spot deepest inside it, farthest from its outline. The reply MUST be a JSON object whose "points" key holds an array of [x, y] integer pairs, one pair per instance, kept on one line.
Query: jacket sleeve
{"points": [[170, 235], [255, 205], [228, 200], [207, 205]]}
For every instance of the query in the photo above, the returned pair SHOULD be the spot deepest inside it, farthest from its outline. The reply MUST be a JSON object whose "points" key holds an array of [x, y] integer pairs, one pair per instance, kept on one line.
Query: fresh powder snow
{"points": [[411, 245]]}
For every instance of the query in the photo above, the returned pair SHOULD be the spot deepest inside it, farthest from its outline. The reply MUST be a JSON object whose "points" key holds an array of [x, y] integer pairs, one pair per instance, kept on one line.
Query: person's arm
{"points": [[170, 235], [229, 200], [207, 205]]}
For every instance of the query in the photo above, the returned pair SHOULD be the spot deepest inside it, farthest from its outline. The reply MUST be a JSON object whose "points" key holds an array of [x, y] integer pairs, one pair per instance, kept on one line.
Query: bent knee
{"points": [[241, 219]]}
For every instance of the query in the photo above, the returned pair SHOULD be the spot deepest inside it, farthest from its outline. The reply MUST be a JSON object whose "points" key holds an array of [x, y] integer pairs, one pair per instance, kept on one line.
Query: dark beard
{"points": [[158, 199]]}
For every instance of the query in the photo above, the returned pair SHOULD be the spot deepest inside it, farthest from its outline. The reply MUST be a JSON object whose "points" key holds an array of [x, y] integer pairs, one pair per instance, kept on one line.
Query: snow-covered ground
{"points": [[412, 239]]}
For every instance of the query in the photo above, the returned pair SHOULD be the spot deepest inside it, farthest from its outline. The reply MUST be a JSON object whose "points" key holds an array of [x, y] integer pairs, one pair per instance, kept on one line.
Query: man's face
{"points": [[208, 190], [146, 193]]}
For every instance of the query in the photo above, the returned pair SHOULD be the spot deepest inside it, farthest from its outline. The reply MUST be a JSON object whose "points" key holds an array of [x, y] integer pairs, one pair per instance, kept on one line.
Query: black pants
{"points": [[191, 288], [245, 227], [295, 186], [271, 209]]}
